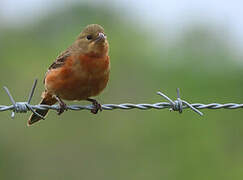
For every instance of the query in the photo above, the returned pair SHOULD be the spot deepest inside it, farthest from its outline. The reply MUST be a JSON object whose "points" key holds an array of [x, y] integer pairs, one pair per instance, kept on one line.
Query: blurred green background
{"points": [[135, 144]]}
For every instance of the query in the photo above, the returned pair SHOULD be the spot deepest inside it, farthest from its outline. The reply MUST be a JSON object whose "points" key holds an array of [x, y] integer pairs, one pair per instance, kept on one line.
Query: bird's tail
{"points": [[47, 99]]}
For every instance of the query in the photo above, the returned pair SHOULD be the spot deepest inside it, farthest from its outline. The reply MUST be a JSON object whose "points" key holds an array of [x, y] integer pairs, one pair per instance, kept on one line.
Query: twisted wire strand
{"points": [[176, 105]]}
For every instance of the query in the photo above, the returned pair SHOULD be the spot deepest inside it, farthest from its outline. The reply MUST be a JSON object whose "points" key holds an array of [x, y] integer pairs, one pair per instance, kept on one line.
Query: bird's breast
{"points": [[92, 65], [81, 77]]}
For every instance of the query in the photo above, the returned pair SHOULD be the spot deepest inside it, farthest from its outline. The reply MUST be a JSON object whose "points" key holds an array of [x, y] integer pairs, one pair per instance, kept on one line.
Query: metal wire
{"points": [[176, 105]]}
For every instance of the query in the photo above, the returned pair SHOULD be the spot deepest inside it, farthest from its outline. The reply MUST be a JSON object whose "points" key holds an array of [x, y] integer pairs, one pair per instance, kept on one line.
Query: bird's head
{"points": [[92, 40]]}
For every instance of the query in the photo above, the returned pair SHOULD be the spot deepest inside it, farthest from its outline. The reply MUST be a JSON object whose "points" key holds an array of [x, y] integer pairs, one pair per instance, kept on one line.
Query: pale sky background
{"points": [[171, 14]]}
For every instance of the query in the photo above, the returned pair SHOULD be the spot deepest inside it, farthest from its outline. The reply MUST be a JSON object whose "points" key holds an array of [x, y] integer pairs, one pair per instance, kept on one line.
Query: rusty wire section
{"points": [[176, 105]]}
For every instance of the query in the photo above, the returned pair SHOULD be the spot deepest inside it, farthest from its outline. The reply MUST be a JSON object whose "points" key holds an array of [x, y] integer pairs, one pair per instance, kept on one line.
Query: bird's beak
{"points": [[100, 37]]}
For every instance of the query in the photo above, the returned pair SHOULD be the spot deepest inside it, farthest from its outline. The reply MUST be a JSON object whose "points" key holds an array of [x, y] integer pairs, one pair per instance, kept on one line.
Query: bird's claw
{"points": [[96, 107], [63, 107]]}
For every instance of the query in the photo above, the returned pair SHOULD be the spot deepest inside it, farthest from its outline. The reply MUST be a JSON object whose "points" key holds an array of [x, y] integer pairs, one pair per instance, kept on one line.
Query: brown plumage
{"points": [[80, 72]]}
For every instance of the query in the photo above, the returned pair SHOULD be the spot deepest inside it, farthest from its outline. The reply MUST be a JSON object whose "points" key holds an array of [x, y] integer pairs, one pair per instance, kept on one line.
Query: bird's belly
{"points": [[76, 84], [82, 88]]}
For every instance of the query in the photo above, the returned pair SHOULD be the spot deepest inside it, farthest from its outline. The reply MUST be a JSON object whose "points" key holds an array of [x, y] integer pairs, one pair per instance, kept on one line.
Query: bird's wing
{"points": [[59, 62]]}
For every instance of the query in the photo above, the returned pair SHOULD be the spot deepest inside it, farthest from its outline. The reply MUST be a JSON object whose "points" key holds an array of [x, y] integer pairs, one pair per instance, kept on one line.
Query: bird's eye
{"points": [[89, 37]]}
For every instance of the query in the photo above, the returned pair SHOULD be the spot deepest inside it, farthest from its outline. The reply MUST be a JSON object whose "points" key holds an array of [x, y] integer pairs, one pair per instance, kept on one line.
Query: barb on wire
{"points": [[176, 105], [21, 107]]}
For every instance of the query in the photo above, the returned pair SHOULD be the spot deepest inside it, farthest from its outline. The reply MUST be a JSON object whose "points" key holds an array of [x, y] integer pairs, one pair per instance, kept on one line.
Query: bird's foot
{"points": [[96, 105], [63, 106]]}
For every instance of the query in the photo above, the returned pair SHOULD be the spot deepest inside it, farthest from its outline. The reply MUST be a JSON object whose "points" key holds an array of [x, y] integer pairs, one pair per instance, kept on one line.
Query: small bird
{"points": [[78, 73]]}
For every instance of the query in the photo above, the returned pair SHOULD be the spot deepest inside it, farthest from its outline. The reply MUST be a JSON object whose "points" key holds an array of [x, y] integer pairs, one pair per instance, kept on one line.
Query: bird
{"points": [[78, 73]]}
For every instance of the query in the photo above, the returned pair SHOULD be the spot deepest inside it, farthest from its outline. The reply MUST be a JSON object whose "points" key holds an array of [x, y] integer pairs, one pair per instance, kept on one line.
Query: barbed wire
{"points": [[176, 105]]}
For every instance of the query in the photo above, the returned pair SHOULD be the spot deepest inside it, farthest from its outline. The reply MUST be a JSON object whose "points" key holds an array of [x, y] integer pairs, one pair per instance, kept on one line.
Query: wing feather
{"points": [[59, 62]]}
